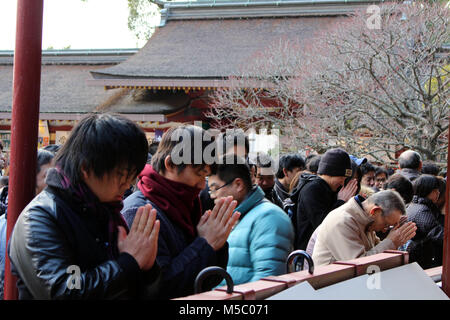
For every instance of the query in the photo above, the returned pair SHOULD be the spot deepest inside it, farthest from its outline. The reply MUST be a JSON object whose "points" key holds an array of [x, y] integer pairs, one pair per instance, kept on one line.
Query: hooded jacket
{"points": [[279, 194], [343, 235], [315, 200]]}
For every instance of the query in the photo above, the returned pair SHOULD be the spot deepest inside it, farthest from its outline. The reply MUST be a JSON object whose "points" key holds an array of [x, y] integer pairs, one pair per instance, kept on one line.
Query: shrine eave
{"points": [[79, 116], [172, 84], [238, 9]]}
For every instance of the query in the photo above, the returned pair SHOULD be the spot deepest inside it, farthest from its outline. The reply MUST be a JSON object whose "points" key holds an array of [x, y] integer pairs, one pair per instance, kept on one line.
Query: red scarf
{"points": [[180, 202]]}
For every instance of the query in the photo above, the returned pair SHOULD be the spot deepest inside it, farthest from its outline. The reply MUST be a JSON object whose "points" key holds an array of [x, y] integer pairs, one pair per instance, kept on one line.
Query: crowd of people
{"points": [[45, 157], [135, 222]]}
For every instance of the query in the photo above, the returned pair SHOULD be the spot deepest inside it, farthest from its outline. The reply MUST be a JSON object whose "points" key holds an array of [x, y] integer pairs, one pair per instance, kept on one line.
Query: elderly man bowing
{"points": [[348, 232]]}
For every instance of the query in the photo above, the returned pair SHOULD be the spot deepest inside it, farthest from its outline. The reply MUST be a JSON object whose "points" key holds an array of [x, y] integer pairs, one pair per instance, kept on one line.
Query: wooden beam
{"points": [[25, 116], [446, 254], [79, 116], [323, 276]]}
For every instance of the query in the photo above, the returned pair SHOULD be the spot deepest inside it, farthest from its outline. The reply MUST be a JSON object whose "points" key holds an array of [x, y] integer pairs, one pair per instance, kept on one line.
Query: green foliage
{"points": [[141, 18]]}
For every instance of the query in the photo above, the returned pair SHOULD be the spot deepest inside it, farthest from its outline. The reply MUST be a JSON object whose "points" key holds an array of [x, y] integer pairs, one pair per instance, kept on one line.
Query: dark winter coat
{"points": [[279, 194], [180, 260], [205, 198], [411, 174], [53, 237], [427, 245], [315, 201]]}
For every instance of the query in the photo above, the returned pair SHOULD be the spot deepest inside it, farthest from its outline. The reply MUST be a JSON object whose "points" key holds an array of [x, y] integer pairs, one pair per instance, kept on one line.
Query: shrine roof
{"points": [[213, 40]]}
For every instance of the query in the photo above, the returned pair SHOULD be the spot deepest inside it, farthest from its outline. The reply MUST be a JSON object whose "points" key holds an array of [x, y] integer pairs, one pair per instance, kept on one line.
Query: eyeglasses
{"points": [[212, 191]]}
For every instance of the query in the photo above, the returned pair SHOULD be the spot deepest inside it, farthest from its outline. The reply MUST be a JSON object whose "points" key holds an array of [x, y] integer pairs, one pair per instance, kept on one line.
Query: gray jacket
{"points": [[411, 174]]}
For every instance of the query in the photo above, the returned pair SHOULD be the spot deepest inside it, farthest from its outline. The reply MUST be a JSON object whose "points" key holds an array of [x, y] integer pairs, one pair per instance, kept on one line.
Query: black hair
{"points": [[380, 170], [442, 189], [263, 160], [100, 143], [402, 185], [43, 157], [442, 185], [4, 180], [192, 139], [312, 163], [231, 167], [251, 162], [153, 147], [1, 145], [366, 168], [289, 162], [409, 159], [429, 167], [425, 184], [52, 148]]}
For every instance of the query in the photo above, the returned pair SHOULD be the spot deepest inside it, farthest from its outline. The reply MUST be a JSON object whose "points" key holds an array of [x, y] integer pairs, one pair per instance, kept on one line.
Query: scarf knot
{"points": [[179, 201]]}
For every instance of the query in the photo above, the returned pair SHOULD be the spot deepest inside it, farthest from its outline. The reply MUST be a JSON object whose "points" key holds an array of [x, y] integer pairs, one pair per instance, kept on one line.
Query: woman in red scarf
{"points": [[189, 241]]}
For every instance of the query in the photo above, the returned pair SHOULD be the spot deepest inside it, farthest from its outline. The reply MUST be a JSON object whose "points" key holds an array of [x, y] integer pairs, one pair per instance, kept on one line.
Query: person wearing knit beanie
{"points": [[334, 167], [321, 193], [336, 163]]}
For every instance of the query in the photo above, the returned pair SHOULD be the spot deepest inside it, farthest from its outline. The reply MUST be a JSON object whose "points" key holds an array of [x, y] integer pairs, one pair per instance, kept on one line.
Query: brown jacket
{"points": [[343, 236]]}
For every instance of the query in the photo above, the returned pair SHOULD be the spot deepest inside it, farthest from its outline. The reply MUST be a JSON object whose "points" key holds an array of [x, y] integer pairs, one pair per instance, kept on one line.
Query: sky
{"points": [[94, 24]]}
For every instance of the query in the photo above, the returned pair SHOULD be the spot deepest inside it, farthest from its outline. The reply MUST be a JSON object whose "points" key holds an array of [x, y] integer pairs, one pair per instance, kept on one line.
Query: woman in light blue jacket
{"points": [[262, 239]]}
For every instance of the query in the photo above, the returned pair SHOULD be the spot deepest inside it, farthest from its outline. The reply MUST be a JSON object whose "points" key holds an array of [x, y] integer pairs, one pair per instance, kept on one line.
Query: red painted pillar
{"points": [[25, 118], [446, 257]]}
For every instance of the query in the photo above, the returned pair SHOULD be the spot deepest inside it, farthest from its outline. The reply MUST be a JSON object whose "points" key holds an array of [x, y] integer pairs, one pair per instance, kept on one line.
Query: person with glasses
{"points": [[233, 141], [190, 237], [427, 246], [70, 241], [263, 238], [349, 232]]}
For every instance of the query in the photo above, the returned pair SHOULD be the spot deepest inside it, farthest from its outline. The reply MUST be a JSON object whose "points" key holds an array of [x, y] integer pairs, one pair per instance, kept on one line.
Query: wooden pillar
{"points": [[446, 257], [25, 119]]}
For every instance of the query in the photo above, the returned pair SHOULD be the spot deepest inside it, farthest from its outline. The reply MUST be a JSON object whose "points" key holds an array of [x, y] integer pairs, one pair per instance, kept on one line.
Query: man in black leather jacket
{"points": [[71, 241]]}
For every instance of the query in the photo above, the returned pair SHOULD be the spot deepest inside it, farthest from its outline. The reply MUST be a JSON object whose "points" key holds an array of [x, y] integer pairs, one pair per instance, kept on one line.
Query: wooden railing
{"points": [[323, 276]]}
